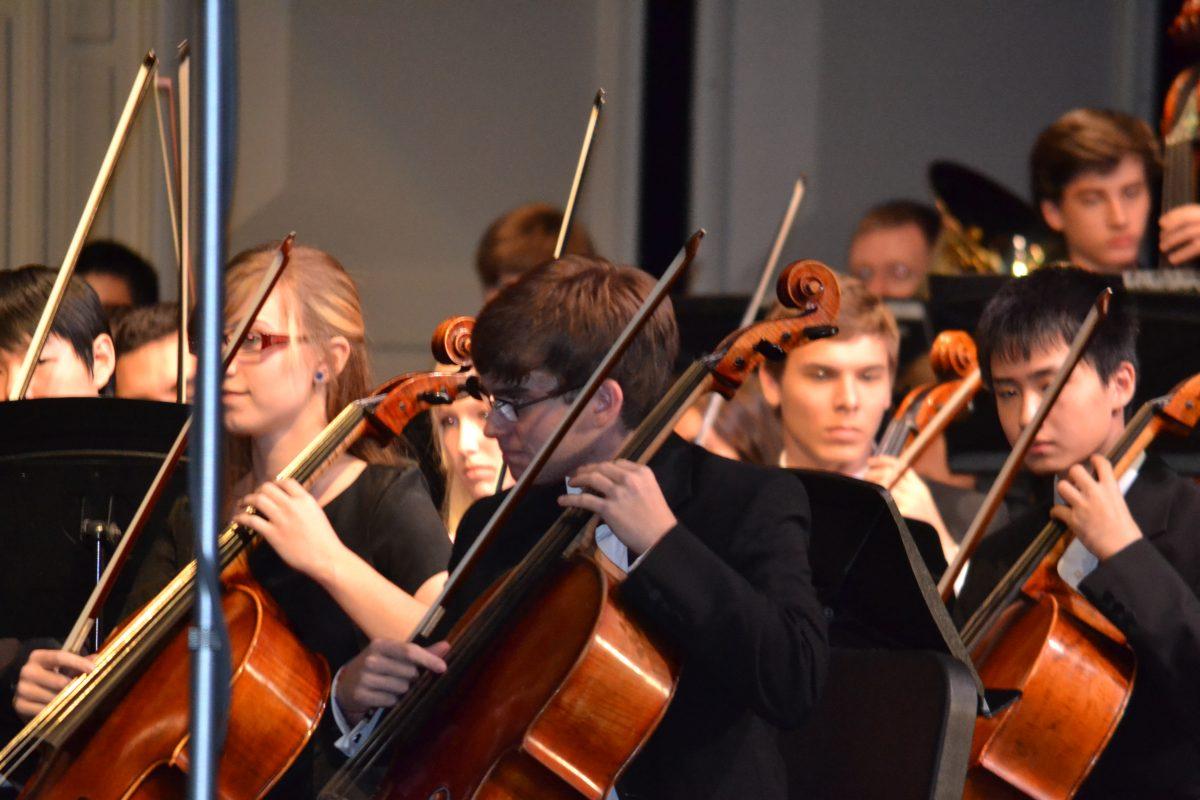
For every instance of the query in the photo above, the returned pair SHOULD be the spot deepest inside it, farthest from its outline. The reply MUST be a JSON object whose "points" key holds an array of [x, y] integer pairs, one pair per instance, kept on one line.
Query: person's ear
{"points": [[606, 405], [338, 351], [770, 387], [104, 360], [1053, 215], [1122, 385]]}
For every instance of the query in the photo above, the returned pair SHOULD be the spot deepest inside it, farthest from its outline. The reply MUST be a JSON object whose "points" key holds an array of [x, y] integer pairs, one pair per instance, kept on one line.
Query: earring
{"points": [[320, 376]]}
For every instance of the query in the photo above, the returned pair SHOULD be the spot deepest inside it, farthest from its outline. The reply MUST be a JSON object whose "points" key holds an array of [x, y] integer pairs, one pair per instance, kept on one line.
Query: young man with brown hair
{"points": [[831, 395], [715, 551], [521, 239], [1136, 553], [892, 247], [1091, 176], [147, 344]]}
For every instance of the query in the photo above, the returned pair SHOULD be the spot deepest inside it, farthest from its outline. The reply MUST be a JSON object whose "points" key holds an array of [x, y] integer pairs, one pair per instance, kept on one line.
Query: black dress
{"points": [[387, 518]]}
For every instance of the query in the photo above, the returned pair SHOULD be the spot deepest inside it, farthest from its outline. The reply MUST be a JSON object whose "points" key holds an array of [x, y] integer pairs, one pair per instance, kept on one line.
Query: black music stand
{"points": [[63, 461], [898, 708]]}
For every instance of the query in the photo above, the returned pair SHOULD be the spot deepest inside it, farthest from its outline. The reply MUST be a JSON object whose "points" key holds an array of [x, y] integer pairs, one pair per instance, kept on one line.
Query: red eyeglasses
{"points": [[255, 344]]}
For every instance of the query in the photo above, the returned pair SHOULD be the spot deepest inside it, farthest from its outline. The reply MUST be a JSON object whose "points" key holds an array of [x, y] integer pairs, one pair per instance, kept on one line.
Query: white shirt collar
{"points": [[783, 462]]}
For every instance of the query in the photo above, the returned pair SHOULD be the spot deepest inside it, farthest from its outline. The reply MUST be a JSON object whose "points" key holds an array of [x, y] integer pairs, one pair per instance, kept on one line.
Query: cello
{"points": [[927, 409], [1072, 666], [121, 730], [1180, 122], [552, 686]]}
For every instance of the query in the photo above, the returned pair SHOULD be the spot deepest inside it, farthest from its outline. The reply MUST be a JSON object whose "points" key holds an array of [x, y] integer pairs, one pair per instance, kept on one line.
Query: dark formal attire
{"points": [[730, 587], [387, 519], [958, 507], [1149, 590]]}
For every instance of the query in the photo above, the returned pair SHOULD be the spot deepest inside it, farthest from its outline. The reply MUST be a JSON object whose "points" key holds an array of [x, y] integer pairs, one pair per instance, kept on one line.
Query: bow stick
{"points": [[522, 487], [1016, 458], [580, 168], [564, 229], [756, 300], [136, 94], [91, 609], [185, 207]]}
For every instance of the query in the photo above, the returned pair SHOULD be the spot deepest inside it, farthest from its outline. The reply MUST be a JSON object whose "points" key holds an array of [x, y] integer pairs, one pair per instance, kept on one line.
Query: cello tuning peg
{"points": [[438, 398], [820, 332], [770, 350]]}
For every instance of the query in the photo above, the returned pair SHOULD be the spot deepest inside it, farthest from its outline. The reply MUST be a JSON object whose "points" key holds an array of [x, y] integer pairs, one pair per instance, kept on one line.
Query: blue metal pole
{"points": [[208, 638]]}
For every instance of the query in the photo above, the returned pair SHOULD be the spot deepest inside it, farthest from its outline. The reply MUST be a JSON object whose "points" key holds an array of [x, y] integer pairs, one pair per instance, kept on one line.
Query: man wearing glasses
{"points": [[714, 551], [892, 248]]}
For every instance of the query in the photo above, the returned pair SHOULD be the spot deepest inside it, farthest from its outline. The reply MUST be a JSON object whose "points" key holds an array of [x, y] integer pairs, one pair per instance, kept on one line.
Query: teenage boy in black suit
{"points": [[1137, 551], [77, 361], [715, 550]]}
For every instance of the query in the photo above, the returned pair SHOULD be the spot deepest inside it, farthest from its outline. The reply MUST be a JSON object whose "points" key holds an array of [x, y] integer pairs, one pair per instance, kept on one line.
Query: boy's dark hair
{"points": [[106, 257], [134, 327], [563, 317], [23, 294], [899, 212], [522, 239], [1045, 309], [1088, 140]]}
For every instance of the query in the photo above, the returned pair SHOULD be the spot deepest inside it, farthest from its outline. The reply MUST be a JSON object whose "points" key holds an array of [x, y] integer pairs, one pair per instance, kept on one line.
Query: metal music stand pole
{"points": [[208, 638]]}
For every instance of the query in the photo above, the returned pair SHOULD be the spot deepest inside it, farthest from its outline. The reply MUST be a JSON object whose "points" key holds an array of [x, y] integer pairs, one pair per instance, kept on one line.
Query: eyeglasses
{"points": [[897, 271], [254, 345], [508, 410]]}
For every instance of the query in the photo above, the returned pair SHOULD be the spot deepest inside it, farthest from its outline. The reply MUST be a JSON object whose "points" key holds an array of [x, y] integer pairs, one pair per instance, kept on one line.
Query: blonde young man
{"points": [[831, 396]]}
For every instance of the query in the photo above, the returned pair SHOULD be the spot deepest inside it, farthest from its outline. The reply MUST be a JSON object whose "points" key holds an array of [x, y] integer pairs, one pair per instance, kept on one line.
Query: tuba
{"points": [[986, 229]]}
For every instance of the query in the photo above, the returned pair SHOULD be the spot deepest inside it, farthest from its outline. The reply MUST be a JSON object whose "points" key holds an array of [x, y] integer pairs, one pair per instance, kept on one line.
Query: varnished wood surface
{"points": [[137, 747], [1075, 684], [560, 704]]}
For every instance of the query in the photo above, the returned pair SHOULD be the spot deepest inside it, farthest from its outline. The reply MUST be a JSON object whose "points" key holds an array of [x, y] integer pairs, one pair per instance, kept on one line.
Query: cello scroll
{"points": [[808, 286]]}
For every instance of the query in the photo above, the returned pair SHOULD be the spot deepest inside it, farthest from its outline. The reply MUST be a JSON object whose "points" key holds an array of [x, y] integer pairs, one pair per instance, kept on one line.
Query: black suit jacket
{"points": [[730, 587], [1150, 591]]}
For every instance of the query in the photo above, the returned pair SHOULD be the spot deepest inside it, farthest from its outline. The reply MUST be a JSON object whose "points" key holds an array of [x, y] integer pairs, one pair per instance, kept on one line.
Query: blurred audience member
{"points": [[120, 276]]}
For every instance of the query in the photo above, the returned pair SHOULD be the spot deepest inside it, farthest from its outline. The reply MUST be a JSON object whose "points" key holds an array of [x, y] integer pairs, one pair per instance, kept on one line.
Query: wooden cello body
{"points": [[556, 708], [121, 731], [1075, 673], [137, 745], [1074, 669]]}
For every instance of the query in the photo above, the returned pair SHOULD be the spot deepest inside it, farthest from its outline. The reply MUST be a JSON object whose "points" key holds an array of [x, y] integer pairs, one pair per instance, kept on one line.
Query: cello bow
{"points": [[137, 94], [522, 487], [564, 229], [756, 300], [585, 152], [89, 614], [991, 504]]}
